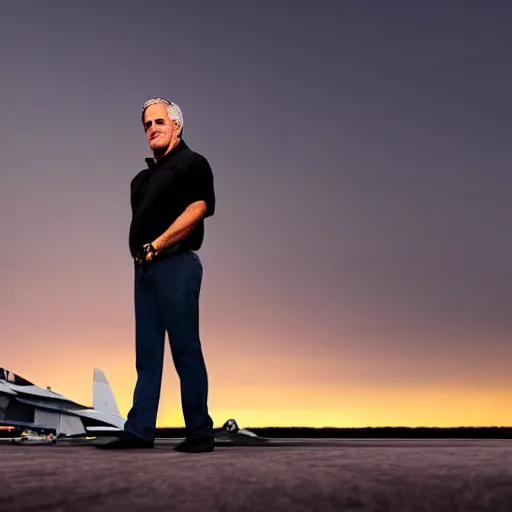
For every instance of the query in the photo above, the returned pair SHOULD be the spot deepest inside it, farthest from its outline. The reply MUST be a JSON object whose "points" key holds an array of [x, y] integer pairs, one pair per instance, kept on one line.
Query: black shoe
{"points": [[125, 441], [196, 445]]}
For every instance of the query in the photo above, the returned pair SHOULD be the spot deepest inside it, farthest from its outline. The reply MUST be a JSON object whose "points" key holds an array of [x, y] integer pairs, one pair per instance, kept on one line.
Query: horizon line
{"points": [[358, 428]]}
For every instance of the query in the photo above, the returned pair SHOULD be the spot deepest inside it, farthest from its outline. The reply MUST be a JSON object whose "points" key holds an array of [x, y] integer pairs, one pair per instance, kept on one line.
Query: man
{"points": [[170, 200]]}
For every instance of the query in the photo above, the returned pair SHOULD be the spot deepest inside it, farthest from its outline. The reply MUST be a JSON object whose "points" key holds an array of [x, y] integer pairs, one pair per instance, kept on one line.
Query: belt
{"points": [[172, 249]]}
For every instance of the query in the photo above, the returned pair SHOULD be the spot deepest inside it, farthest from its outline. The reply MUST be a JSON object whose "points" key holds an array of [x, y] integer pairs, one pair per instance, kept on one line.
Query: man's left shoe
{"points": [[196, 445]]}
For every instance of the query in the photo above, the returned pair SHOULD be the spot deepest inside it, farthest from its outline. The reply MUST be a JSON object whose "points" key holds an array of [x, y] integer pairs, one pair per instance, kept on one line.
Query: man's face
{"points": [[158, 126]]}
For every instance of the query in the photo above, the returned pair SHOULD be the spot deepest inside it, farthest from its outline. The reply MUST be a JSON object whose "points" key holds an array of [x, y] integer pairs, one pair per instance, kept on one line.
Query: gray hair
{"points": [[172, 109]]}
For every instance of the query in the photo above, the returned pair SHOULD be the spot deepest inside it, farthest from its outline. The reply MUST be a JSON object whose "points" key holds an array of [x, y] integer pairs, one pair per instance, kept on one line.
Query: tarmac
{"points": [[377, 475]]}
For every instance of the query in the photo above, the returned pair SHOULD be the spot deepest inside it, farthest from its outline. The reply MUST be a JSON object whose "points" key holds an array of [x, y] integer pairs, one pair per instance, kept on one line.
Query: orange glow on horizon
{"points": [[288, 400], [371, 408]]}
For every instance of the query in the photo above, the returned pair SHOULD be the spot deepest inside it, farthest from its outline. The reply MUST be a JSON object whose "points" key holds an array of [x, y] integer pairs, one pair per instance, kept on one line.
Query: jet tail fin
{"points": [[102, 394]]}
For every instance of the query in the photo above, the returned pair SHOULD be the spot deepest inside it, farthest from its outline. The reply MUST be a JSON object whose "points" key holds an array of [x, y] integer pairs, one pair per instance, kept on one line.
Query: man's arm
{"points": [[181, 227], [199, 194]]}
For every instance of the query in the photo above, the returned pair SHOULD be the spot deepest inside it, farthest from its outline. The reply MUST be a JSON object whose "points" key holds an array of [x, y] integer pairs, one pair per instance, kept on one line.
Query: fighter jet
{"points": [[24, 404], [233, 434]]}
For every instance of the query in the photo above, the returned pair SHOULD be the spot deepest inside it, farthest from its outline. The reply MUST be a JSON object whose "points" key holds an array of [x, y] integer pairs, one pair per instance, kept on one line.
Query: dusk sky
{"points": [[357, 271]]}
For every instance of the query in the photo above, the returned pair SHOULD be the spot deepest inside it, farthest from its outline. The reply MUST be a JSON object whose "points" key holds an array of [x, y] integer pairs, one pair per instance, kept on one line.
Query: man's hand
{"points": [[177, 231]]}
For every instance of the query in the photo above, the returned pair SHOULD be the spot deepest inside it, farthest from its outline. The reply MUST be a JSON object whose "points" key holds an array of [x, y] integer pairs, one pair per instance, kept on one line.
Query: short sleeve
{"points": [[200, 185], [136, 189]]}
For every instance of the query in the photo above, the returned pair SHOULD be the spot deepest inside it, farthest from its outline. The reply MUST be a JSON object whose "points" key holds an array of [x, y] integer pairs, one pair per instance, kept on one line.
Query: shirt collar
{"points": [[152, 164]]}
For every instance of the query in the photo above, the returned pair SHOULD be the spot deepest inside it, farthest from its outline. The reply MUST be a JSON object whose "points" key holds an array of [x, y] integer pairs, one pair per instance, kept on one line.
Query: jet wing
{"points": [[37, 391], [49, 406], [107, 419], [6, 390]]}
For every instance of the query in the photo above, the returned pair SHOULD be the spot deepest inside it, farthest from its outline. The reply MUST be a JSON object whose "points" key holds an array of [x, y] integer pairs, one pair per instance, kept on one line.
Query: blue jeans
{"points": [[167, 299]]}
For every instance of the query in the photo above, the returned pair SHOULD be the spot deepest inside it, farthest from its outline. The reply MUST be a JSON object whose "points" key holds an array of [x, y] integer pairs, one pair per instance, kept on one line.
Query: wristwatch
{"points": [[148, 248], [145, 250]]}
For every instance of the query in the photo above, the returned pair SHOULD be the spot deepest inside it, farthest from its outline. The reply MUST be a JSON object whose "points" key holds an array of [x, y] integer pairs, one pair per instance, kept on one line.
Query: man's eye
{"points": [[159, 121]]}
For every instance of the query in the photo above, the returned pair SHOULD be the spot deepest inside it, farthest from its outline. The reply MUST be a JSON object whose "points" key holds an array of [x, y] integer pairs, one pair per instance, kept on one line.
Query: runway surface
{"points": [[381, 475]]}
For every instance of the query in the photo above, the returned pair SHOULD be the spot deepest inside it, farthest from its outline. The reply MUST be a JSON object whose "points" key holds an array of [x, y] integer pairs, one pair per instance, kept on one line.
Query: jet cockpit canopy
{"points": [[11, 377]]}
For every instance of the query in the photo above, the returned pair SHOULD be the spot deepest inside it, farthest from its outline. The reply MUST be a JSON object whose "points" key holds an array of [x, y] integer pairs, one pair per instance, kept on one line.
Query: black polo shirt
{"points": [[160, 194]]}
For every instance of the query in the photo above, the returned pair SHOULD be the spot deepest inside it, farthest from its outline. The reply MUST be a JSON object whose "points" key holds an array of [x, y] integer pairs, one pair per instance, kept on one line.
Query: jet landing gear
{"points": [[32, 437]]}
